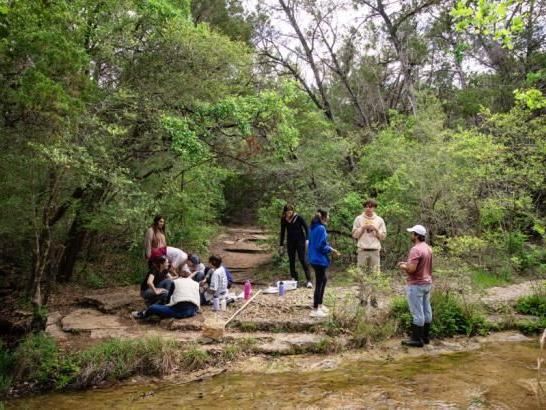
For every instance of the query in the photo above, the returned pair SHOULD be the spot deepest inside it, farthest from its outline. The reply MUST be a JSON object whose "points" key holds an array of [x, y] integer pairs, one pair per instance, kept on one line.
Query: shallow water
{"points": [[500, 376]]}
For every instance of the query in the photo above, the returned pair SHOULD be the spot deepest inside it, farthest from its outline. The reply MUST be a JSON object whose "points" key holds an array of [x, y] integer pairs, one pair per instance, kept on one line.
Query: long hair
{"points": [[287, 208], [155, 225], [319, 217]]}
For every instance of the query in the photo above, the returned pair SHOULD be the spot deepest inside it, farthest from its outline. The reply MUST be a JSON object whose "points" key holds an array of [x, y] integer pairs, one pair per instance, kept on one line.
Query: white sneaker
{"points": [[324, 309], [318, 313], [309, 285]]}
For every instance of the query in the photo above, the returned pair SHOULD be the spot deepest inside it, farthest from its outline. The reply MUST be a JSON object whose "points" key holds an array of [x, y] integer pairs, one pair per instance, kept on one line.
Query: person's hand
{"points": [[336, 252], [402, 265], [160, 291]]}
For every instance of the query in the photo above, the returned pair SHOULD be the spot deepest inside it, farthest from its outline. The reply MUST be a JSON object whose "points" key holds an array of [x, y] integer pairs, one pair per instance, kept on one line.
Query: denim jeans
{"points": [[150, 297], [419, 303], [179, 311]]}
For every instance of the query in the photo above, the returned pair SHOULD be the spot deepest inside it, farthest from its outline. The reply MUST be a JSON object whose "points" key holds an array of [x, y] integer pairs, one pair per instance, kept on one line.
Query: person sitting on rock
{"points": [[196, 268], [184, 300], [218, 281], [155, 286]]}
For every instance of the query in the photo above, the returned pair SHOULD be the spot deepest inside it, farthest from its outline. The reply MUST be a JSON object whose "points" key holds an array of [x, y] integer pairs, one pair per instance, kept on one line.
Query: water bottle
{"points": [[215, 303], [223, 304], [247, 290], [282, 291]]}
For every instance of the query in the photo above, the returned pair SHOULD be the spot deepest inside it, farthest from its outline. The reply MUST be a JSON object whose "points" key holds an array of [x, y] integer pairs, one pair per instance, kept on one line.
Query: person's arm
{"points": [[410, 266], [382, 230], [148, 242], [152, 286], [357, 229], [214, 283], [324, 246], [304, 227], [283, 230]]}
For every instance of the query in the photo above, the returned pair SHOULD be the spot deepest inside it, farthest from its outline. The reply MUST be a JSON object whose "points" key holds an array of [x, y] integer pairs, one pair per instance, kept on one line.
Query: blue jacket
{"points": [[318, 246]]}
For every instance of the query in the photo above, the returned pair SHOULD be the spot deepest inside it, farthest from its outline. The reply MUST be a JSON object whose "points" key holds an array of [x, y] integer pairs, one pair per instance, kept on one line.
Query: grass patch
{"points": [[451, 315], [195, 358], [534, 304], [484, 279]]}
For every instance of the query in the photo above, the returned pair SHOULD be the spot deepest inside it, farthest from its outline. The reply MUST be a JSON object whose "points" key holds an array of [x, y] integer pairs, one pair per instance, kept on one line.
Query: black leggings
{"points": [[320, 284], [298, 247]]}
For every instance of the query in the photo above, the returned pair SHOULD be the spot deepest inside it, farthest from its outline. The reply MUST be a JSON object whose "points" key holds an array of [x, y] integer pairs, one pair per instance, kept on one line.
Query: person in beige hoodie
{"points": [[369, 230]]}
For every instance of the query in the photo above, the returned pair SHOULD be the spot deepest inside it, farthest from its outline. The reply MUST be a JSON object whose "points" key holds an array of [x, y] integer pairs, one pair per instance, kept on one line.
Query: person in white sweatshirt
{"points": [[184, 300], [369, 230]]}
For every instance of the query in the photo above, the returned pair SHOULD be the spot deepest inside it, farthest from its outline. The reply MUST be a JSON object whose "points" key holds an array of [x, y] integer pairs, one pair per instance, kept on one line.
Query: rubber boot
{"points": [[416, 339], [426, 332]]}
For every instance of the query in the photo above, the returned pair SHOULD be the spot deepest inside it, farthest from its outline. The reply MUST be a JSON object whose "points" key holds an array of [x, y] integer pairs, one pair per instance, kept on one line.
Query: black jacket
{"points": [[296, 229]]}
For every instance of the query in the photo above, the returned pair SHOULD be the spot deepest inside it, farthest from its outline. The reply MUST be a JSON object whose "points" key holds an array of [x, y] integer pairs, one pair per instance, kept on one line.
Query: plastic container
{"points": [[282, 290], [215, 303], [223, 304], [247, 290], [288, 284]]}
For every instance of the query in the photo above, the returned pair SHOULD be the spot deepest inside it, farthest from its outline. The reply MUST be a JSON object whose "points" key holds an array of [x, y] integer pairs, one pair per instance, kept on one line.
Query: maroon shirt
{"points": [[420, 255]]}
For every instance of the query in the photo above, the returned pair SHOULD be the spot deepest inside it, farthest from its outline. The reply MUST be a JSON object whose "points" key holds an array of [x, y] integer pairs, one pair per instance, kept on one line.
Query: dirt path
{"points": [[242, 251]]}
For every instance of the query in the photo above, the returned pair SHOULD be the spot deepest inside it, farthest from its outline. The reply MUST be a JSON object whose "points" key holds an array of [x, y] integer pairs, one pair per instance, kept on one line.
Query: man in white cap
{"points": [[418, 267]]}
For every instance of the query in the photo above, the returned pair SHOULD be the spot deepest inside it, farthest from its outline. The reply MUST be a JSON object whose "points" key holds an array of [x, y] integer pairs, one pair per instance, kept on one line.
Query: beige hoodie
{"points": [[369, 239]]}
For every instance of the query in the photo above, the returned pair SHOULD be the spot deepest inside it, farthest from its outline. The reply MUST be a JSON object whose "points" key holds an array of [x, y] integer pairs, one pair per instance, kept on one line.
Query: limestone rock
{"points": [[88, 319]]}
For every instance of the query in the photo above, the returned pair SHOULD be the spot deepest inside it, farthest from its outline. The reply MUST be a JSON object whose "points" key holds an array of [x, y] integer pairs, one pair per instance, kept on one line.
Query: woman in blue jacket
{"points": [[318, 252]]}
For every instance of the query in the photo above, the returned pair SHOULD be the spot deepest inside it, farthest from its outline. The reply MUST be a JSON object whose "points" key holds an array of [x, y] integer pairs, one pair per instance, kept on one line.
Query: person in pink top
{"points": [[418, 267]]}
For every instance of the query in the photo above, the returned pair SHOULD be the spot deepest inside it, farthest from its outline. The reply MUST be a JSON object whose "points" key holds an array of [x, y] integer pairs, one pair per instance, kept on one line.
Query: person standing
{"points": [[318, 252], [418, 267], [369, 230], [155, 245], [296, 236]]}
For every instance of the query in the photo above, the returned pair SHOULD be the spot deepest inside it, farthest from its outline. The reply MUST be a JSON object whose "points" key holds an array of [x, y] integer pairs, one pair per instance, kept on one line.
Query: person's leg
{"points": [[301, 257], [291, 248], [361, 258], [323, 286], [160, 310], [375, 260], [415, 296], [427, 312], [319, 277], [184, 310]]}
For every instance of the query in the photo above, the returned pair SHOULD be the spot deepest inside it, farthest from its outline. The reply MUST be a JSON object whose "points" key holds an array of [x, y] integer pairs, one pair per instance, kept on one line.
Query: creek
{"points": [[497, 375]]}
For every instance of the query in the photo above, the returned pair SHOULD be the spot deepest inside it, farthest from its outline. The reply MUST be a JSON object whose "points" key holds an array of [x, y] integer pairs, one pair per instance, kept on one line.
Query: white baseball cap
{"points": [[418, 229]]}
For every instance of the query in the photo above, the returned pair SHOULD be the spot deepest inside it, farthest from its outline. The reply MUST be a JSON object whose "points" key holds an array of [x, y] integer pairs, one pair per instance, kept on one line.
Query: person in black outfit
{"points": [[157, 283], [296, 236]]}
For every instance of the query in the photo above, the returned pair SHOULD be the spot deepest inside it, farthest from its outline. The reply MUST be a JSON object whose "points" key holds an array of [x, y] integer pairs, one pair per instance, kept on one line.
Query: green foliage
{"points": [[117, 359], [39, 359], [450, 316], [534, 304], [489, 18], [195, 358], [6, 366]]}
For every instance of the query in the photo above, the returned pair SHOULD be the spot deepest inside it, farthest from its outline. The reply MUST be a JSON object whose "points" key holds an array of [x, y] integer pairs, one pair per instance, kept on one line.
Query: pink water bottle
{"points": [[248, 289]]}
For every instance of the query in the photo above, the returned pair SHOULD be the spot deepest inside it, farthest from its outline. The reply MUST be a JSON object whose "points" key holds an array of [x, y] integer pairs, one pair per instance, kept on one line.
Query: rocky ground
{"points": [[278, 325]]}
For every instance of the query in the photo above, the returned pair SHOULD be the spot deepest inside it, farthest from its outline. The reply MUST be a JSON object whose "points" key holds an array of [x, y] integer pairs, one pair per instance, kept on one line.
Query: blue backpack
{"points": [[229, 277]]}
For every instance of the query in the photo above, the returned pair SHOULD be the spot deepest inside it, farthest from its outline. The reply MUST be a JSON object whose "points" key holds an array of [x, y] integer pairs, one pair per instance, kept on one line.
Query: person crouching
{"points": [[184, 300]]}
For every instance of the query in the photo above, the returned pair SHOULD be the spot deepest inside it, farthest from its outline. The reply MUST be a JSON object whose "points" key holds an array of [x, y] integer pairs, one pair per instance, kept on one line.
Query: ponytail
{"points": [[319, 217]]}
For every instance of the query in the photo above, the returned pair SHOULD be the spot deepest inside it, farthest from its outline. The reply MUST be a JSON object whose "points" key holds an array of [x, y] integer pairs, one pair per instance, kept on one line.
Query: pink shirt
{"points": [[420, 255]]}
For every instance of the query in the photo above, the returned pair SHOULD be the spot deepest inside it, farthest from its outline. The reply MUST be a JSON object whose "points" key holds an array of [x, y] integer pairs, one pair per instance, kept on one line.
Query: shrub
{"points": [[532, 305], [6, 364], [450, 316], [38, 359]]}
